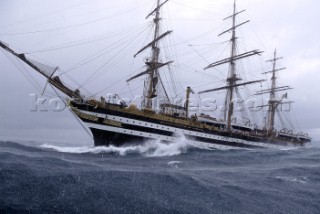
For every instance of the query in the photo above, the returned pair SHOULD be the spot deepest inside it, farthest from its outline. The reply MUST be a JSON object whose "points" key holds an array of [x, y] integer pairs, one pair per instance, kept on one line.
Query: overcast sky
{"points": [[66, 33]]}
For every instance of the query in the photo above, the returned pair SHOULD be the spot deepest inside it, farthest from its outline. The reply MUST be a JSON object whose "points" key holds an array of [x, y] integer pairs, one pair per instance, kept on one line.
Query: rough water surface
{"points": [[157, 178]]}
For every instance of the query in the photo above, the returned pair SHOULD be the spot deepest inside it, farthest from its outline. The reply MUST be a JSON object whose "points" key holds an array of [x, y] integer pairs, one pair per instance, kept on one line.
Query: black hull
{"points": [[106, 138]]}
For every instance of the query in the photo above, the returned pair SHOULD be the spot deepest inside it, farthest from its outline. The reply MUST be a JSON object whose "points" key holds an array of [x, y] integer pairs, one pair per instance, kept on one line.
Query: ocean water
{"points": [[157, 178]]}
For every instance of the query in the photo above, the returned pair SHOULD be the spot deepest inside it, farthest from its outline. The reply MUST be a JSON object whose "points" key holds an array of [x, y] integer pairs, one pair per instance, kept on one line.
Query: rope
{"points": [[77, 118]]}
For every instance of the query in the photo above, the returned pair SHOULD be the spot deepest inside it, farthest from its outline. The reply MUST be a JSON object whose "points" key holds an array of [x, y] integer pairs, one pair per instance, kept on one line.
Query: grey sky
{"points": [[291, 26]]}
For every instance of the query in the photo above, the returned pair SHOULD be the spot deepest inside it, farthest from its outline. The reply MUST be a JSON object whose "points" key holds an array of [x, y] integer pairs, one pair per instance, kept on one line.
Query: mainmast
{"points": [[153, 65], [232, 74], [232, 80], [273, 103]]}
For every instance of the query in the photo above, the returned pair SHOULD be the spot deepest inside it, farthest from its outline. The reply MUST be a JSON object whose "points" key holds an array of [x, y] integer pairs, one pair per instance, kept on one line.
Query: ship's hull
{"points": [[105, 135], [117, 128]]}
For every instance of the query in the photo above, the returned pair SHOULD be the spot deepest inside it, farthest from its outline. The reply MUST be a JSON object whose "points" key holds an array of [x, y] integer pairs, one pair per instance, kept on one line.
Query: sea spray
{"points": [[151, 148]]}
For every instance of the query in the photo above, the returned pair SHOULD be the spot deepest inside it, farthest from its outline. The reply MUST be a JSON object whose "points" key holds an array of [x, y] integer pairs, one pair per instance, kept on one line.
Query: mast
{"points": [[153, 76], [153, 66], [273, 102], [232, 76]]}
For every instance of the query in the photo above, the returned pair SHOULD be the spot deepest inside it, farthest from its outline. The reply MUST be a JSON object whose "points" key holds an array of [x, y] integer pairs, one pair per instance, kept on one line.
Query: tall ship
{"points": [[121, 123]]}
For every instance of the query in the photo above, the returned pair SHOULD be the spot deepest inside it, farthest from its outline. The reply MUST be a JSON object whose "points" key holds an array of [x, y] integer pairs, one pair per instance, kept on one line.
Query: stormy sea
{"points": [[39, 177]]}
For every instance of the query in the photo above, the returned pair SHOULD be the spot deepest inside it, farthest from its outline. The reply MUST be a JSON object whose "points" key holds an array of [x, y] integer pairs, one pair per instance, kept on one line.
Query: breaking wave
{"points": [[148, 149]]}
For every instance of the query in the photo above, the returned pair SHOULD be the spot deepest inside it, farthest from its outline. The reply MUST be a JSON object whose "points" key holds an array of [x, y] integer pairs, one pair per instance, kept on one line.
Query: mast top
{"points": [[274, 61], [157, 9], [232, 79]]}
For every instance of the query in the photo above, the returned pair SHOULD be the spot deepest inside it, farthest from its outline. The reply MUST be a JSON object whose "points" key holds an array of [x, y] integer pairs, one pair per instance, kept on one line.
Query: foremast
{"points": [[153, 65], [232, 80]]}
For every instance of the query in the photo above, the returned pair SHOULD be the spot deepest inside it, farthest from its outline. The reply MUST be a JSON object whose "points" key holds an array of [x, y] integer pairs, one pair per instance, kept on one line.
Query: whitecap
{"points": [[174, 162], [151, 148], [302, 180]]}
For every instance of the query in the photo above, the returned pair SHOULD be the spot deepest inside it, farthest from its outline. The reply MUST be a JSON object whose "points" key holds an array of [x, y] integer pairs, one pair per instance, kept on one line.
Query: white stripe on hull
{"points": [[177, 130], [197, 144]]}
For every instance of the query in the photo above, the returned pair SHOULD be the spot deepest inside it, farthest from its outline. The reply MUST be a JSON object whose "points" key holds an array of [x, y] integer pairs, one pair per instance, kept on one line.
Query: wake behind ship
{"points": [[163, 119]]}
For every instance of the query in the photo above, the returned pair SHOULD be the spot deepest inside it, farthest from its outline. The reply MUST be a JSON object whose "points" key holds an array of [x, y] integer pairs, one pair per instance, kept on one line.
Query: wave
{"points": [[148, 149], [302, 180]]}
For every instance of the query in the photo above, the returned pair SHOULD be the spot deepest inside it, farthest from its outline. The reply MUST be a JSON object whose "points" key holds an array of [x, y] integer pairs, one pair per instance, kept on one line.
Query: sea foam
{"points": [[151, 148]]}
